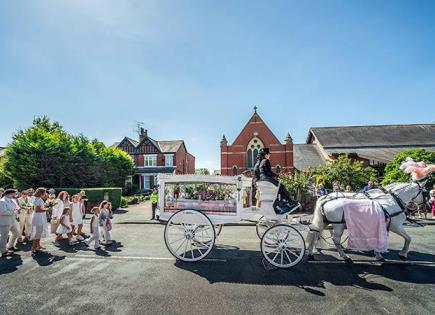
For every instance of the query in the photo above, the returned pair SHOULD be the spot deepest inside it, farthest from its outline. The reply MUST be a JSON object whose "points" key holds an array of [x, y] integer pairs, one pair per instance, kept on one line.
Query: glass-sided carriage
{"points": [[196, 206]]}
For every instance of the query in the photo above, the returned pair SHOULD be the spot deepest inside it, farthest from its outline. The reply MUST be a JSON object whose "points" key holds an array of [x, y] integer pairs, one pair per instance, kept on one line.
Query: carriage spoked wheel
{"points": [[262, 226], [283, 246], [189, 235]]}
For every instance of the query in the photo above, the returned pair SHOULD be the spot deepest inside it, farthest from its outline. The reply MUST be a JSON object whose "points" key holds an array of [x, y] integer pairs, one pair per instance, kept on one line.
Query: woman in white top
{"points": [[57, 210], [77, 216], [26, 211], [39, 220]]}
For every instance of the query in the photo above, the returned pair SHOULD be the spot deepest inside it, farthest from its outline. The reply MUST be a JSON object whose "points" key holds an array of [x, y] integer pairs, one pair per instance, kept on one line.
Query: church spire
{"points": [[288, 139], [224, 141]]}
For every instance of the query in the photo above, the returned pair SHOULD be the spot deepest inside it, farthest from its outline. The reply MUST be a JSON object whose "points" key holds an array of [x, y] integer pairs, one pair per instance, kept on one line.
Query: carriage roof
{"points": [[193, 178]]}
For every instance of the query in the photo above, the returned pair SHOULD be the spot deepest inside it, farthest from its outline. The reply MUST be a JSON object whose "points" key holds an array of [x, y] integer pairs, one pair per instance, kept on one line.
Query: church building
{"points": [[241, 154]]}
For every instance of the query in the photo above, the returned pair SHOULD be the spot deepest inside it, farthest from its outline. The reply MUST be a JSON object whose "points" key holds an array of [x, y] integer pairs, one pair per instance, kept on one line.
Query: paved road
{"points": [[138, 276]]}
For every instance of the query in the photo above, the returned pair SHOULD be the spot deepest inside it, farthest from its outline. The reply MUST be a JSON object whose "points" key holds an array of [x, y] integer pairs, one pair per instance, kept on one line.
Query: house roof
{"points": [[170, 146], [383, 155], [388, 136], [307, 156]]}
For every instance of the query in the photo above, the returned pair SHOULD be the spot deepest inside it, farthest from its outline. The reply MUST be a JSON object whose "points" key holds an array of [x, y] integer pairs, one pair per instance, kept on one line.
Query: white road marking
{"points": [[361, 262], [137, 258]]}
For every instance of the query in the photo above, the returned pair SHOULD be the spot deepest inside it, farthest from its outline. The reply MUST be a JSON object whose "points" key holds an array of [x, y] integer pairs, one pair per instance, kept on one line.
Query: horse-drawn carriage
{"points": [[196, 206]]}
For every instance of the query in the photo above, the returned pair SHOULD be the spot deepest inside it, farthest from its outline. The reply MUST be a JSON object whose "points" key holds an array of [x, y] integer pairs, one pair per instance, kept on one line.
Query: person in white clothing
{"points": [[95, 229], [39, 220], [14, 234], [57, 210], [77, 216], [105, 223], [25, 215], [65, 227], [7, 221]]}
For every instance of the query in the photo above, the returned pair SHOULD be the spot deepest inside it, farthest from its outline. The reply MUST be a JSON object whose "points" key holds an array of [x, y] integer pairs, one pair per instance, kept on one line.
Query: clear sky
{"points": [[193, 70]]}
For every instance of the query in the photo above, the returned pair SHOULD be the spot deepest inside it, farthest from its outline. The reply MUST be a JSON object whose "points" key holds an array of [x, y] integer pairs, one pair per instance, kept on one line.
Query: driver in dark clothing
{"points": [[285, 202]]}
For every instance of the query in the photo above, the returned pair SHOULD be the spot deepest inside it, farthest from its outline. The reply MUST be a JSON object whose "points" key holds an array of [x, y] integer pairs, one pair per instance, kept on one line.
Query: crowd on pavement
{"points": [[32, 215]]}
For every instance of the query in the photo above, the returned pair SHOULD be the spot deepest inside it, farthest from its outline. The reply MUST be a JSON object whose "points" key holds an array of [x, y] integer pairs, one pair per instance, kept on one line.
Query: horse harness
{"points": [[388, 216]]}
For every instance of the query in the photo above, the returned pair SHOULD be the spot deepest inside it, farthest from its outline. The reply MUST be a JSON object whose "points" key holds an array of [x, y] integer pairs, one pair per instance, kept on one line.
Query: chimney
{"points": [[143, 133]]}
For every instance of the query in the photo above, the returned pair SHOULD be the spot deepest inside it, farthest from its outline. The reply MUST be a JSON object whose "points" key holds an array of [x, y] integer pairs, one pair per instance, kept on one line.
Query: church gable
{"points": [[256, 128], [147, 146]]}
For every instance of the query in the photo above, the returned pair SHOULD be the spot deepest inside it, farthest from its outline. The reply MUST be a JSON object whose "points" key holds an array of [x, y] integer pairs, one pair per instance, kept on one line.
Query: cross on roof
{"points": [[255, 109]]}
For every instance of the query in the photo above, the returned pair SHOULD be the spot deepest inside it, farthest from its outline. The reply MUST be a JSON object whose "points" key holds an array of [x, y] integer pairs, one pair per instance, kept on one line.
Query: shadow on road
{"points": [[10, 264], [45, 259], [246, 267]]}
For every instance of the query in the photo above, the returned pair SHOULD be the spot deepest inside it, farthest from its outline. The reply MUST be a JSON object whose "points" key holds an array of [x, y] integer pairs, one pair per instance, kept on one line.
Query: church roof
{"points": [[415, 135]]}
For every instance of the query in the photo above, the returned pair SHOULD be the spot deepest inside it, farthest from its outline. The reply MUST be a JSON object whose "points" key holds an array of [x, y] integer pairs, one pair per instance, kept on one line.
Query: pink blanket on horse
{"points": [[366, 225]]}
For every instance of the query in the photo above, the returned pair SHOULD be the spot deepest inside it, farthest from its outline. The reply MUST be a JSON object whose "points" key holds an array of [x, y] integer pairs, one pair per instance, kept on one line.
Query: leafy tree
{"points": [[5, 180], [46, 155], [346, 171], [202, 171], [394, 174], [298, 183]]}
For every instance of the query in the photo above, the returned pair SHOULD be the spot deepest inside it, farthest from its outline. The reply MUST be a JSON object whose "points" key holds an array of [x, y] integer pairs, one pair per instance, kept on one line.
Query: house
{"points": [[153, 157], [375, 145]]}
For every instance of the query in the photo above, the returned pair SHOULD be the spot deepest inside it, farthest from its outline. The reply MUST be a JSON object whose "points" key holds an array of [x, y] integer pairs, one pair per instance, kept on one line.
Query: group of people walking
{"points": [[30, 216]]}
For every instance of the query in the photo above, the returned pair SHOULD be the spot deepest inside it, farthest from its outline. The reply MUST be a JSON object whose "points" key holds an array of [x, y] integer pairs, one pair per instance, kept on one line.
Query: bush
{"points": [[96, 195]]}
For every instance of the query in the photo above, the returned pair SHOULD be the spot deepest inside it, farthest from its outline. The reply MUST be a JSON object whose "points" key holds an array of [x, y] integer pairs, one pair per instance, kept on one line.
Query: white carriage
{"points": [[196, 206]]}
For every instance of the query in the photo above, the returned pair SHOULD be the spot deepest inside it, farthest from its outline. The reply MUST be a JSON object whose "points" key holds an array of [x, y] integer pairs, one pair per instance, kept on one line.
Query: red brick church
{"points": [[241, 155]]}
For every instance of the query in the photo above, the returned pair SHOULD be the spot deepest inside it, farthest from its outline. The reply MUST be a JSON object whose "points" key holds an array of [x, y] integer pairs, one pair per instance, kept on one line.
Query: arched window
{"points": [[278, 169], [235, 173], [253, 148]]}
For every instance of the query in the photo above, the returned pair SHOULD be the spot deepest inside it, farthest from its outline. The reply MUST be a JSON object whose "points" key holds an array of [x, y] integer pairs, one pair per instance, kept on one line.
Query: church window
{"points": [[254, 147], [235, 170]]}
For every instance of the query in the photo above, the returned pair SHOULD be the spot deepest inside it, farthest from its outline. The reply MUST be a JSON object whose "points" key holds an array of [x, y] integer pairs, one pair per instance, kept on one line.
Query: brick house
{"points": [[153, 157], [241, 154]]}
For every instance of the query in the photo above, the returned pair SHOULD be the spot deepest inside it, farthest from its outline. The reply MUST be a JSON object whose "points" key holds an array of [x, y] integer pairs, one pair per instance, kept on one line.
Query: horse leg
{"points": [[312, 238], [338, 230], [400, 230], [379, 257]]}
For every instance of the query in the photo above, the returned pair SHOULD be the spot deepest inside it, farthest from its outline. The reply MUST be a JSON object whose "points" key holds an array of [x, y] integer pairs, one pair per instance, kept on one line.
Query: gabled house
{"points": [[153, 157]]}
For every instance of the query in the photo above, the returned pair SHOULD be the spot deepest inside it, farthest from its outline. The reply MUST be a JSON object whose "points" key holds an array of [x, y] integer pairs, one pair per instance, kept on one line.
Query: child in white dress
{"points": [[105, 222], [65, 227], [77, 216], [95, 229]]}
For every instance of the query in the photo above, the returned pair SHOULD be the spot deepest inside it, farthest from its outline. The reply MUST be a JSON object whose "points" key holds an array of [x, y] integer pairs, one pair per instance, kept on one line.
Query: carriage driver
{"points": [[263, 172]]}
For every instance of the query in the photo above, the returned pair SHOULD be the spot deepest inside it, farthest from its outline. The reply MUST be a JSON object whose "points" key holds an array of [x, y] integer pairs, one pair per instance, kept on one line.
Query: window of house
{"points": [[169, 160], [150, 160], [278, 169], [254, 147]]}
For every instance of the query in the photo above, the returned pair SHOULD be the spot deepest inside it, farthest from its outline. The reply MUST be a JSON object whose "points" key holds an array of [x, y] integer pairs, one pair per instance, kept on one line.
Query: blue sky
{"points": [[193, 70]]}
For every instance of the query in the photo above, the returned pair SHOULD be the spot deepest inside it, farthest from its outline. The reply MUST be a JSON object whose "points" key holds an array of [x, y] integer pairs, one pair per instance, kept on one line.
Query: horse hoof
{"points": [[381, 259], [403, 258], [348, 260], [310, 257]]}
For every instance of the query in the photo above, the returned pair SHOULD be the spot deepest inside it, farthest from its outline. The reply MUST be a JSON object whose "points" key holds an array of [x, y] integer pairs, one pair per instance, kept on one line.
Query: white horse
{"points": [[333, 212]]}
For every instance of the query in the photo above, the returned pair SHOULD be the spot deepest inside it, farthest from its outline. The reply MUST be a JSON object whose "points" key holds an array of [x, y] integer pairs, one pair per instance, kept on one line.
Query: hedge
{"points": [[96, 195]]}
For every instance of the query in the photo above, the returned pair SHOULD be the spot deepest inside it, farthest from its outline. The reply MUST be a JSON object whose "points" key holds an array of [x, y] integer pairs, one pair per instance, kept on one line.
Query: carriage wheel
{"points": [[218, 229], [262, 226], [189, 235], [283, 246]]}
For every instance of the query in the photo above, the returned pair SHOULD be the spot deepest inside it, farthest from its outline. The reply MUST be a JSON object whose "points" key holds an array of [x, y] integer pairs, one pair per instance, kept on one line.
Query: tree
{"points": [[202, 171], [394, 174], [299, 183], [46, 155], [346, 171], [5, 180]]}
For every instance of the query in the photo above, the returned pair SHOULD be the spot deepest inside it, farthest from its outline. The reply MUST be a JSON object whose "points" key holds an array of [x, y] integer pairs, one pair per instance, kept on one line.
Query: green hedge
{"points": [[96, 195], [133, 200]]}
